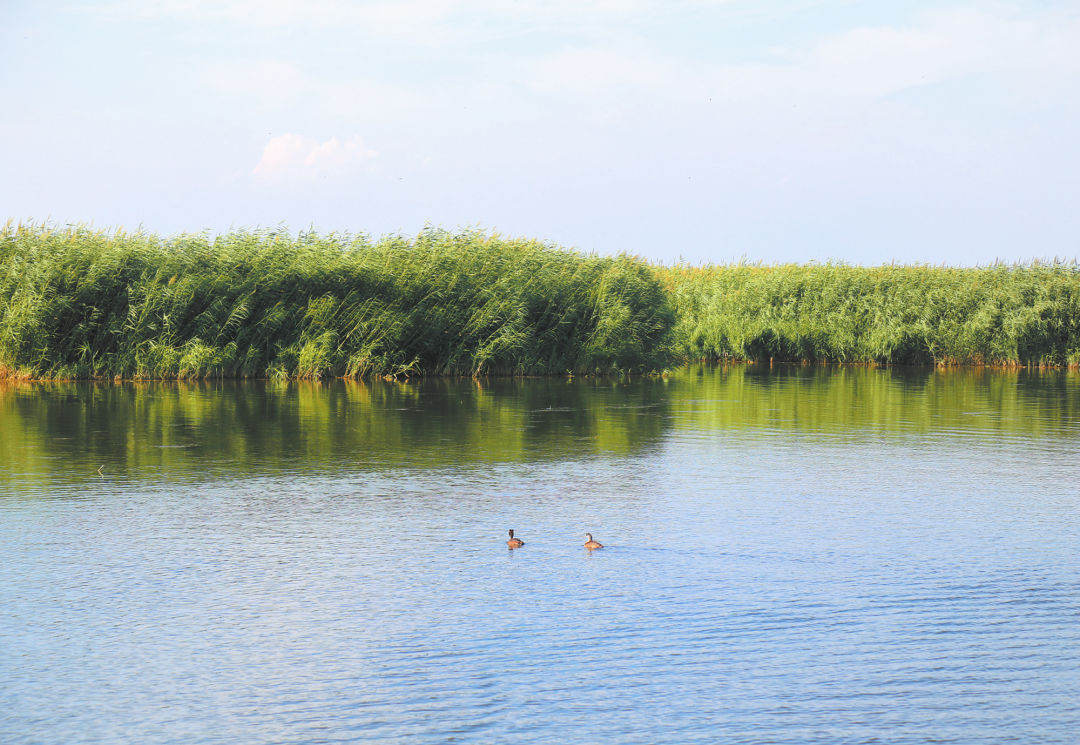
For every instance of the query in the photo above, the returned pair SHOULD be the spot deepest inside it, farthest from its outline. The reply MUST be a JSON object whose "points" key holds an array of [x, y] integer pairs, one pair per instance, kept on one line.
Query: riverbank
{"points": [[78, 304]]}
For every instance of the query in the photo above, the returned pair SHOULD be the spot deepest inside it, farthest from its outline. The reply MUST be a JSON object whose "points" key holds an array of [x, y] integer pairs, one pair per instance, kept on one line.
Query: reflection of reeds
{"points": [[1019, 315], [75, 303], [229, 427], [53, 431]]}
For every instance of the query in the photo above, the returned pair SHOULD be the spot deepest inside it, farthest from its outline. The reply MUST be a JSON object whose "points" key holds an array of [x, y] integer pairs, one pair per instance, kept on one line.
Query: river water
{"points": [[804, 554]]}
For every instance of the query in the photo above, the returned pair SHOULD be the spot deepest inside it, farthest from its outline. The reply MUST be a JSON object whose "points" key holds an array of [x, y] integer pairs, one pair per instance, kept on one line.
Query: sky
{"points": [[682, 130]]}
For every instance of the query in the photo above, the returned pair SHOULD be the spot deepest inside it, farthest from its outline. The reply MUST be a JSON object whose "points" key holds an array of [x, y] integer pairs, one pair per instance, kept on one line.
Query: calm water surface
{"points": [[792, 555]]}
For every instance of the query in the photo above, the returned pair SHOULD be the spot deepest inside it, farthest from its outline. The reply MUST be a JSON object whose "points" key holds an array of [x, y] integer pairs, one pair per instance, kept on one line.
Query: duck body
{"points": [[514, 542], [591, 544]]}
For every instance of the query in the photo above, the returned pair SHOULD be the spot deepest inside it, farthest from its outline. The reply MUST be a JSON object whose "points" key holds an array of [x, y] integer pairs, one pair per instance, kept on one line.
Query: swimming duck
{"points": [[514, 542], [591, 544]]}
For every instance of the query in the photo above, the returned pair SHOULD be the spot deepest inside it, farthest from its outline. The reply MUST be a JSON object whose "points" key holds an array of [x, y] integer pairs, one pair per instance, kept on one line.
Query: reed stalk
{"points": [[1019, 315], [77, 303]]}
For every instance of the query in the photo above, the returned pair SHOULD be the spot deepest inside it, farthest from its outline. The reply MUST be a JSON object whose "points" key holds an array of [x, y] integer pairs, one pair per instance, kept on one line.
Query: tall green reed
{"points": [[1027, 314], [75, 303], [78, 303]]}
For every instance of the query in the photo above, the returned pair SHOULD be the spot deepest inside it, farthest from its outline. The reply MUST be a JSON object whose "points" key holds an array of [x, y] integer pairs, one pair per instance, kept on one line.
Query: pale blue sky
{"points": [[780, 130]]}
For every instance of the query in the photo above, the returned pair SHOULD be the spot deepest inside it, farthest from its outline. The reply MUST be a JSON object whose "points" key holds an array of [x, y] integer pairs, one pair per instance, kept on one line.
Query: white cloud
{"points": [[275, 83], [427, 22], [265, 79], [878, 61], [592, 70], [296, 157], [859, 63], [867, 62]]}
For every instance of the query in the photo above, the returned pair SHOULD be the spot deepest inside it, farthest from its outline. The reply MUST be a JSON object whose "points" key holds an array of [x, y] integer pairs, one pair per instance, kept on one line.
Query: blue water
{"points": [[786, 560]]}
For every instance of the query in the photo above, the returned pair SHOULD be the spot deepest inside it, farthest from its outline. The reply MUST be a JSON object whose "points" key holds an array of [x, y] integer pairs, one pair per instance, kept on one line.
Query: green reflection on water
{"points": [[60, 433], [831, 398], [237, 427]]}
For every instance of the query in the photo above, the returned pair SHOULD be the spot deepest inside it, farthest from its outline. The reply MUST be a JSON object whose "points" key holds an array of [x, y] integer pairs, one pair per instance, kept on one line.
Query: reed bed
{"points": [[1019, 315], [79, 304]]}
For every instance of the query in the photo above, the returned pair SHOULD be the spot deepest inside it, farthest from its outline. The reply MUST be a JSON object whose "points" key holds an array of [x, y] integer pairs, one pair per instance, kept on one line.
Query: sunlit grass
{"points": [[77, 304], [1026, 314]]}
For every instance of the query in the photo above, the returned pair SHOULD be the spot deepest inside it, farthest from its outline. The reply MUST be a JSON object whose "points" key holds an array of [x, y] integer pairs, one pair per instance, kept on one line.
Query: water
{"points": [[792, 555]]}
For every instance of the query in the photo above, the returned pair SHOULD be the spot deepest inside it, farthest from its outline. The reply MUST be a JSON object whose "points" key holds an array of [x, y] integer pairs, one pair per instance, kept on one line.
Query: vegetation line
{"points": [[1020, 315], [78, 304]]}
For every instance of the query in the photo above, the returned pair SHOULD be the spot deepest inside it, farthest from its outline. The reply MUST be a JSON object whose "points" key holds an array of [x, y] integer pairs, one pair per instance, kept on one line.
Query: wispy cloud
{"points": [[878, 61], [277, 82], [594, 70], [865, 61], [296, 157], [265, 79], [415, 21], [598, 52]]}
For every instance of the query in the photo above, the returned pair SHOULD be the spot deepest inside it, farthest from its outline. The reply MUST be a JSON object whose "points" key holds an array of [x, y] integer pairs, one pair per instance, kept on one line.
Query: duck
{"points": [[591, 544], [514, 542]]}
